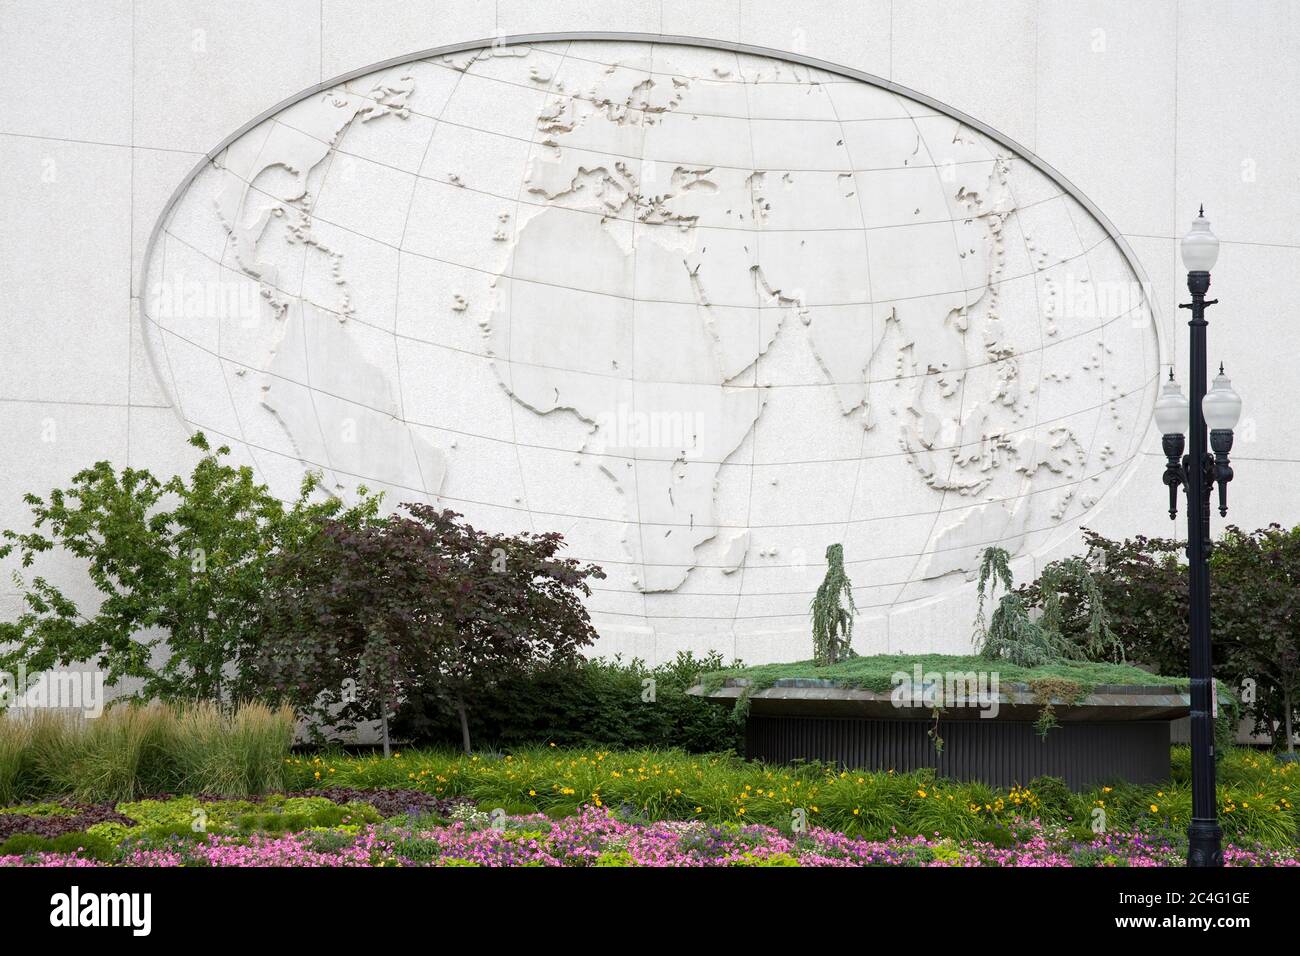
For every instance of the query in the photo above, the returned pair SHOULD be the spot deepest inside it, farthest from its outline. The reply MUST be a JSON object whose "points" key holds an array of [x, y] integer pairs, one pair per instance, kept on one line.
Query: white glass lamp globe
{"points": [[1200, 247], [1221, 405], [1171, 410]]}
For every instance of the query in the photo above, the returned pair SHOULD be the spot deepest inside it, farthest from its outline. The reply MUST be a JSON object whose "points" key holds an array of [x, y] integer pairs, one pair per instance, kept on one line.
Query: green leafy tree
{"points": [[179, 567], [833, 610], [1254, 610], [1136, 609], [421, 604]]}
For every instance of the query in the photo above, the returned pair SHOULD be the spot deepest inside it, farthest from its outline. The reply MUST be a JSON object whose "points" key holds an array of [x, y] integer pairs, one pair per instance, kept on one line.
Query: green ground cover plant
{"points": [[627, 809], [464, 836], [1055, 683], [1256, 792], [876, 672]]}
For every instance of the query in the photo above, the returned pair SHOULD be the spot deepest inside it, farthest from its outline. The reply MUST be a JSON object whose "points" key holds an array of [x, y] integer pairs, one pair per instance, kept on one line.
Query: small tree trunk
{"points": [[1290, 734], [384, 722], [464, 727]]}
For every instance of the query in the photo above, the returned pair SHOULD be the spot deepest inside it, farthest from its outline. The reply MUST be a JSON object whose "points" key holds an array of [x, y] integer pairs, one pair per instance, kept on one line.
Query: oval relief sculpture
{"points": [[704, 312]]}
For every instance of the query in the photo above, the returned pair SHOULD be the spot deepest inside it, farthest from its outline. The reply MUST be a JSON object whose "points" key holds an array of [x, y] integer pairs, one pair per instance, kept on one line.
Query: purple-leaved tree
{"points": [[420, 602]]}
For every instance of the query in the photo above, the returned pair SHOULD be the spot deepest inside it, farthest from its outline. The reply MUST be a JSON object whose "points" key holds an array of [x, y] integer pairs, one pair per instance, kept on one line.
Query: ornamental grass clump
{"points": [[133, 749], [229, 754], [109, 757], [15, 759]]}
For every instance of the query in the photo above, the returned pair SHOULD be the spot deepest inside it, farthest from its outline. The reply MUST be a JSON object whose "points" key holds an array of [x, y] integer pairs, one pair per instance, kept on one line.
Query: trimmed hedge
{"points": [[595, 703]]}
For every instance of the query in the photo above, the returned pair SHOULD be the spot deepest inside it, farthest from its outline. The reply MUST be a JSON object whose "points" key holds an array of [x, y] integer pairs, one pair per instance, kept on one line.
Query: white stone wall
{"points": [[1148, 109]]}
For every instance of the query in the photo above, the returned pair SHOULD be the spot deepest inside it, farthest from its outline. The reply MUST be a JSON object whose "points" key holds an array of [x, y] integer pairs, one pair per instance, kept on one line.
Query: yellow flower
{"points": [[856, 811], [1154, 808], [920, 793], [532, 793]]}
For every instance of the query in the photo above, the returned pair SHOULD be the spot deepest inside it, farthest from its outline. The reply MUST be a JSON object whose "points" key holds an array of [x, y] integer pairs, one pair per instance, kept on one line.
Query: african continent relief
{"points": [[703, 312]]}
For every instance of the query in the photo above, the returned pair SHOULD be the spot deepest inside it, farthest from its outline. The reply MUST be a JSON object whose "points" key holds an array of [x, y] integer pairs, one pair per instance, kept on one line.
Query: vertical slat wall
{"points": [[999, 753]]}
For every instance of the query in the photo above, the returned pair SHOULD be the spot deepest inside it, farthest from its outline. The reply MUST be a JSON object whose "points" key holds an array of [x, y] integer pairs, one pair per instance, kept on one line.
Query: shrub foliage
{"points": [[588, 704], [1142, 598], [418, 605]]}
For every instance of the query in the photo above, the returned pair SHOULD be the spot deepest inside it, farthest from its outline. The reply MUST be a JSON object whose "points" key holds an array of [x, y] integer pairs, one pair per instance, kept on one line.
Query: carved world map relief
{"points": [[703, 312]]}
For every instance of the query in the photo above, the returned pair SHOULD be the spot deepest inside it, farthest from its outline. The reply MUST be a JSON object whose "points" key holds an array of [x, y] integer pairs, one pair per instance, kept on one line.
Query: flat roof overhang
{"points": [[809, 697]]}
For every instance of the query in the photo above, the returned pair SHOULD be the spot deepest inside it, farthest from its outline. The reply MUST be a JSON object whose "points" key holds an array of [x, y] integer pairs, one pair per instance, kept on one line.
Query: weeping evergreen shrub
{"points": [[1011, 634], [833, 610]]}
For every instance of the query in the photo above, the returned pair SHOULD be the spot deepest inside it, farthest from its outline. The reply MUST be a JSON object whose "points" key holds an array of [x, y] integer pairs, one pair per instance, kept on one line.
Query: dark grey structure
{"points": [[1198, 472], [1115, 733], [997, 752]]}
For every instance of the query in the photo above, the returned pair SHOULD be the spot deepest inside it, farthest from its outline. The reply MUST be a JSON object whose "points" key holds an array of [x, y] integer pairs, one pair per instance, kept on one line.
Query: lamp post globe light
{"points": [[1197, 473]]}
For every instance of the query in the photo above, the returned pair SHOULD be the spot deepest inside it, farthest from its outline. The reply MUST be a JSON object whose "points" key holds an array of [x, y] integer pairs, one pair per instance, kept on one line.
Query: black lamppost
{"points": [[1197, 472]]}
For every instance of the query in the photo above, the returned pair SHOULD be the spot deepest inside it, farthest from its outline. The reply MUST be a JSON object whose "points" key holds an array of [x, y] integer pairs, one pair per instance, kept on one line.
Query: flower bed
{"points": [[1256, 792], [578, 808], [597, 838]]}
